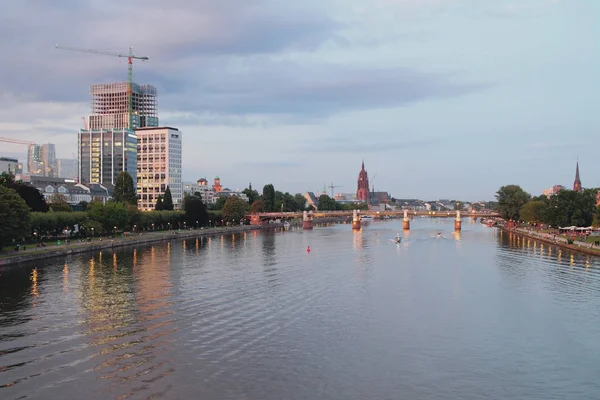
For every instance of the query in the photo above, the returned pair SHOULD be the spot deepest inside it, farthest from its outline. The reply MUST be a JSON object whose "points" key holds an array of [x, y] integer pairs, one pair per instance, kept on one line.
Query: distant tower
{"points": [[217, 185], [577, 183], [362, 192]]}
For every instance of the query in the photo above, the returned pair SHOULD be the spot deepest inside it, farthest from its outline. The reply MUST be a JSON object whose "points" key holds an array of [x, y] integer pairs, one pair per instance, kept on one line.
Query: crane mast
{"points": [[130, 56]]}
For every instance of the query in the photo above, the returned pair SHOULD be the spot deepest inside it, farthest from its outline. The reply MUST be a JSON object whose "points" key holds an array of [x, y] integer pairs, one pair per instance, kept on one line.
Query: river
{"points": [[480, 314]]}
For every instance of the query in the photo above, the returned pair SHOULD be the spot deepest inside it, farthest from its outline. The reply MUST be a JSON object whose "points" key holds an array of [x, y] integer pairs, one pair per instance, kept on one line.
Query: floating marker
{"points": [[308, 249]]}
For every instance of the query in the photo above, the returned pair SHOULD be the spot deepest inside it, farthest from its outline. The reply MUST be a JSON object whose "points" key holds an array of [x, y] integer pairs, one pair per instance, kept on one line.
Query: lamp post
{"points": [[196, 224], [92, 232]]}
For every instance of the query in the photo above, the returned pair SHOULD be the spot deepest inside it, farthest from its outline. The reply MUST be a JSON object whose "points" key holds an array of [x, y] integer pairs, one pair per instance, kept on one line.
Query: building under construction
{"points": [[110, 106]]}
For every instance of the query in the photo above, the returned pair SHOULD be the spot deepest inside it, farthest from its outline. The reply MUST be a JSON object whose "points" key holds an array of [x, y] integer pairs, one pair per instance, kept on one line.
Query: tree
{"points": [[124, 191], [195, 210], [159, 204], [34, 199], [110, 215], [326, 203], [14, 215], [234, 209], [458, 206], [568, 207], [269, 198], [252, 194], [58, 202], [533, 211], [257, 206], [300, 201], [220, 203], [510, 200], [168, 200]]}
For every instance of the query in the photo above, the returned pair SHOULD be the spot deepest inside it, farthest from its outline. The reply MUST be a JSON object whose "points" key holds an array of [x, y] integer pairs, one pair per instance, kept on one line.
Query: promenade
{"points": [[32, 253], [559, 241]]}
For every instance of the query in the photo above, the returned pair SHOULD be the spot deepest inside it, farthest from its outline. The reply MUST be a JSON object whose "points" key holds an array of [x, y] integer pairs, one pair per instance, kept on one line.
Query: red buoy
{"points": [[308, 249]]}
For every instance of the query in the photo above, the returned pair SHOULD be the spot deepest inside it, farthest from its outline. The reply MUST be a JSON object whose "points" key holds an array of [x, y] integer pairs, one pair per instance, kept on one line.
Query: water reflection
{"points": [[357, 318]]}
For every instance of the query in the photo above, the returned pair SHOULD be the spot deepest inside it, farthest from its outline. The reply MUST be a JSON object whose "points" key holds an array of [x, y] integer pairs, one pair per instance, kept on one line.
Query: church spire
{"points": [[577, 183]]}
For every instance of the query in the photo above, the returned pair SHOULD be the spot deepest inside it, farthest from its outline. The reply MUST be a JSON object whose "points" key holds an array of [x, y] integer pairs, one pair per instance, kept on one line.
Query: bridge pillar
{"points": [[457, 222], [307, 222], [406, 221], [355, 220]]}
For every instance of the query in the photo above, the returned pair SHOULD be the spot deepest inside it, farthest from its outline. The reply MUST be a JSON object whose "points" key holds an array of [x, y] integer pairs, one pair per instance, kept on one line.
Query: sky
{"points": [[440, 98]]}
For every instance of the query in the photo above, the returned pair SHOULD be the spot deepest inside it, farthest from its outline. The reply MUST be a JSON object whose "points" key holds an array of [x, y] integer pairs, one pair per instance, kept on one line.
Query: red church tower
{"points": [[362, 193], [577, 183]]}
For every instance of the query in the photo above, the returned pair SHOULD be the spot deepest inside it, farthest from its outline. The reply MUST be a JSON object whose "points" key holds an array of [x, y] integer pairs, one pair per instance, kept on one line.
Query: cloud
{"points": [[272, 164], [368, 144]]}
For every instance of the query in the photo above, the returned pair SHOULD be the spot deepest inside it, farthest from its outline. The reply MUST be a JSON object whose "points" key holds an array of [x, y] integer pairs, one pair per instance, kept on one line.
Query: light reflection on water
{"points": [[469, 315]]}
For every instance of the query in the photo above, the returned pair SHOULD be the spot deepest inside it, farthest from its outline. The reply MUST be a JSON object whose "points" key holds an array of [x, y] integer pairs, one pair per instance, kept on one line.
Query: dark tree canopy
{"points": [[252, 194], [220, 203], [269, 198], [33, 198], [510, 200], [168, 200], [326, 203], [124, 189], [159, 204], [567, 208], [14, 215], [195, 210]]}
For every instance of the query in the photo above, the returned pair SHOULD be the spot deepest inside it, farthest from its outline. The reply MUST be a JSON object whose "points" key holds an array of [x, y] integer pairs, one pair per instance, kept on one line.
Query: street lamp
{"points": [[92, 232], [152, 226], [196, 224], [134, 228]]}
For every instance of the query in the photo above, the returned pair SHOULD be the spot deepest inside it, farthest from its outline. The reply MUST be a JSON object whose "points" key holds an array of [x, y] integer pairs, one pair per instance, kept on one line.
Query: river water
{"points": [[483, 314]]}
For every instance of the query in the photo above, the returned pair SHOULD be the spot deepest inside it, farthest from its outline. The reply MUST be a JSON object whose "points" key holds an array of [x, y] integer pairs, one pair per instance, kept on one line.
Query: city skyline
{"points": [[442, 99]]}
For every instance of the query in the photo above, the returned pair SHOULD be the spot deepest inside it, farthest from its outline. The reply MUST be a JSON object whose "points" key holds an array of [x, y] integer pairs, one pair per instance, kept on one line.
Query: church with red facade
{"points": [[362, 192]]}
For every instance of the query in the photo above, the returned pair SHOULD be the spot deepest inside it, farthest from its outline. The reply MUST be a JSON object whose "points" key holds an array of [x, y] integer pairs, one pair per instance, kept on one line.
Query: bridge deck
{"points": [[322, 214]]}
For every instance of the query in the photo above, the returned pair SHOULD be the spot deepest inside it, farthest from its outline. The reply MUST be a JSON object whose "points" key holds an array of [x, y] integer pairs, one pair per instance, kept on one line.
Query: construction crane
{"points": [[129, 58], [15, 141], [332, 186]]}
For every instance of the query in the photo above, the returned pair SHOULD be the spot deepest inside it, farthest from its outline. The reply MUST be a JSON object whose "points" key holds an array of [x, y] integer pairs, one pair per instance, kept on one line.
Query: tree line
{"points": [[565, 208], [27, 216]]}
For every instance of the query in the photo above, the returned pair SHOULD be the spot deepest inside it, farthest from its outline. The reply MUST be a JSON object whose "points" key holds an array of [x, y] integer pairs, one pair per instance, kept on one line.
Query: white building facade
{"points": [[158, 165]]}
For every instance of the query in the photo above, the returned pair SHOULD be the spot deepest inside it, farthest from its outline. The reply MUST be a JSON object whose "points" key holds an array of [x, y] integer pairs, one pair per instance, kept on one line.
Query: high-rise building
{"points": [[105, 153], [158, 165], [577, 183], [110, 106], [362, 192], [49, 158], [34, 160], [10, 165], [67, 168], [41, 160]]}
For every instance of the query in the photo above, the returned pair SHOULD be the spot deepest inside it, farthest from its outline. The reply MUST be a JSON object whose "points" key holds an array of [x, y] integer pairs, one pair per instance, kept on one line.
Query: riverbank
{"points": [[560, 242], [37, 253]]}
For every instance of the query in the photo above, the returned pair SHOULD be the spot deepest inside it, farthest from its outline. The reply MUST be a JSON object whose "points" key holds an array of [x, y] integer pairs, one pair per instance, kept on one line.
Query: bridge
{"points": [[260, 218]]}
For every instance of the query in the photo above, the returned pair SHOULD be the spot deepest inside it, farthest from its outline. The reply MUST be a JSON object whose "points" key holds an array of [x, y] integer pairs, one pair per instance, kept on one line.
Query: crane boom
{"points": [[129, 57], [105, 53], [16, 141]]}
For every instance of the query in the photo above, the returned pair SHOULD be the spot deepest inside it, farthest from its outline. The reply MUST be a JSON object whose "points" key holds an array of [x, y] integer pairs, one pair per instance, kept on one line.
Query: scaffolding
{"points": [[110, 106]]}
